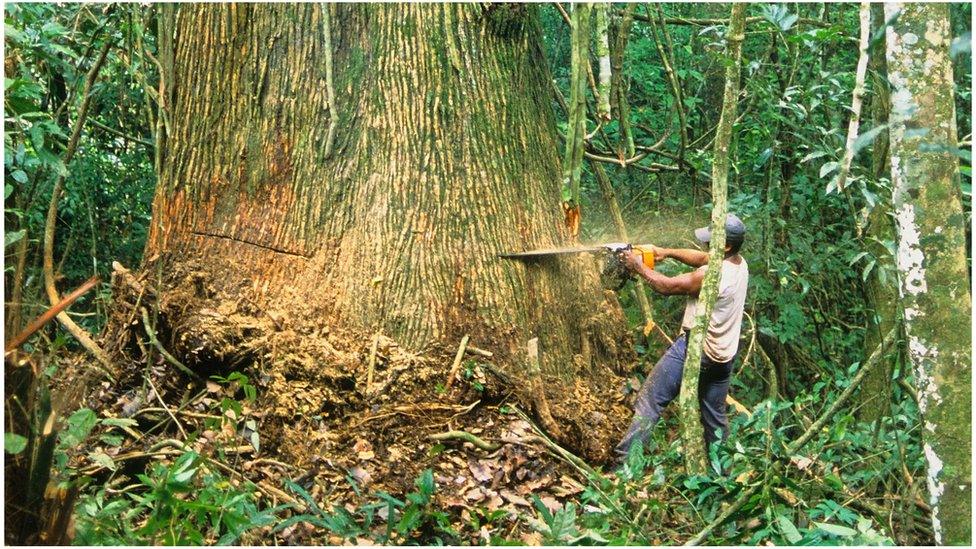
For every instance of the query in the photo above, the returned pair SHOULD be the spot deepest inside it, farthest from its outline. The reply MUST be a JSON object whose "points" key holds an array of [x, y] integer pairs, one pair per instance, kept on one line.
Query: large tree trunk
{"points": [[932, 254], [443, 155]]}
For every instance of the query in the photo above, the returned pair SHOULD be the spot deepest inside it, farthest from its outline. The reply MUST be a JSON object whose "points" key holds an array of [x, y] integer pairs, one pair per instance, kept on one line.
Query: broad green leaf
{"points": [[811, 156], [10, 239], [14, 443], [103, 459], [836, 530], [79, 425], [868, 137], [828, 168], [789, 530]]}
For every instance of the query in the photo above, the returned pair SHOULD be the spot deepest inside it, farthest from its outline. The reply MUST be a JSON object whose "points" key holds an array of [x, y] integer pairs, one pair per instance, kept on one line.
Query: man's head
{"points": [[735, 234]]}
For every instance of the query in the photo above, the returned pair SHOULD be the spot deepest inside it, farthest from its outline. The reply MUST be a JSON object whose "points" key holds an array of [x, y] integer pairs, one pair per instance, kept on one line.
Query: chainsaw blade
{"points": [[531, 254]]}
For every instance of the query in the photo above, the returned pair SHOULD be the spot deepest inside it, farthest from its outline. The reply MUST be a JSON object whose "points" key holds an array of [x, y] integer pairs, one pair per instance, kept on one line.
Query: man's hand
{"points": [[632, 260], [660, 254]]}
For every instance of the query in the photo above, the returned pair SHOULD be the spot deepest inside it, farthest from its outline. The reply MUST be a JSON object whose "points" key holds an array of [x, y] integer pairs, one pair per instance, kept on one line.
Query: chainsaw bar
{"points": [[554, 251]]}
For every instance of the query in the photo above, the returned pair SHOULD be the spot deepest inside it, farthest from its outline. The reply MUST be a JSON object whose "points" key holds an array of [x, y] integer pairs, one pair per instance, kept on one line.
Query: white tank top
{"points": [[722, 339]]}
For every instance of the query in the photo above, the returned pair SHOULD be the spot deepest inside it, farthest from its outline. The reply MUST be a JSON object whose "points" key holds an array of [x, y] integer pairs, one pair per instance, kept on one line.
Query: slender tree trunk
{"points": [[606, 187], [864, 15], [619, 84], [16, 304], [603, 57], [691, 428], [882, 294], [576, 133], [932, 254], [444, 156]]}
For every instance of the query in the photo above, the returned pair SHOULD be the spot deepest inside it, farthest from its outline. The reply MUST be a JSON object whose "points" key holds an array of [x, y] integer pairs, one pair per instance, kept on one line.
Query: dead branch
{"points": [[77, 331], [372, 361], [480, 352], [37, 324], [457, 363], [162, 403], [466, 437], [540, 403], [162, 350]]}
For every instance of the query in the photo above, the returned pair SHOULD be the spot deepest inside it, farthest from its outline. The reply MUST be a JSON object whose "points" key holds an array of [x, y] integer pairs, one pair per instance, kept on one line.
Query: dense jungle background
{"points": [[210, 387]]}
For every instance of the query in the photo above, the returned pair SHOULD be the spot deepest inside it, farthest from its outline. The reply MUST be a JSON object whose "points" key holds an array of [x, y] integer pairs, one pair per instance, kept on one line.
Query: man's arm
{"points": [[683, 284], [690, 257]]}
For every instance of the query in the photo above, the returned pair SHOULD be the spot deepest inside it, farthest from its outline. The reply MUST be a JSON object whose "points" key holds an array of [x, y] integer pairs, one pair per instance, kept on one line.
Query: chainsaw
{"points": [[615, 273]]}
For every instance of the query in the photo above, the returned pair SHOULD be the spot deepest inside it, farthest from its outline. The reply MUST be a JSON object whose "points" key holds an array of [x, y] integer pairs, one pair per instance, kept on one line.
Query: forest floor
{"points": [[489, 460], [347, 416], [347, 438]]}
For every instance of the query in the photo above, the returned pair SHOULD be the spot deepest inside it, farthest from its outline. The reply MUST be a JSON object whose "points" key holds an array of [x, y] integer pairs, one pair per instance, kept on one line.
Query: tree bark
{"points": [[619, 84], [691, 428], [576, 132], [444, 156], [881, 294], [603, 58], [932, 254]]}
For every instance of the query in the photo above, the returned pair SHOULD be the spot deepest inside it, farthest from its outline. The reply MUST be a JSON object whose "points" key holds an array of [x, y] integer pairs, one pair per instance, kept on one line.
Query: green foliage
{"points": [[386, 520], [104, 209], [14, 443], [184, 503]]}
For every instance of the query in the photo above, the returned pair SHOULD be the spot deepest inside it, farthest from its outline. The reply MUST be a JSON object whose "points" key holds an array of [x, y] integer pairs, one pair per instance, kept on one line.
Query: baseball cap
{"points": [[735, 230]]}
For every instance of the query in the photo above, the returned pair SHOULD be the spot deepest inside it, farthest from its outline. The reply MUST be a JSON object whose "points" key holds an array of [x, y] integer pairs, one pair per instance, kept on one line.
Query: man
{"points": [[721, 341]]}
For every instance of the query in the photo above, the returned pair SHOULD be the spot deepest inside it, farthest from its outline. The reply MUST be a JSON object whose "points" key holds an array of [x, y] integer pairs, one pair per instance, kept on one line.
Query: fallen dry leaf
{"points": [[515, 498], [480, 470]]}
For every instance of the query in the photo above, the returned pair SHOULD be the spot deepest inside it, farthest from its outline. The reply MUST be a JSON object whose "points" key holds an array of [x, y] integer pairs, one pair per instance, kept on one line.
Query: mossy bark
{"points": [[444, 155], [882, 293], [619, 84], [576, 131], [691, 428], [603, 58], [932, 254]]}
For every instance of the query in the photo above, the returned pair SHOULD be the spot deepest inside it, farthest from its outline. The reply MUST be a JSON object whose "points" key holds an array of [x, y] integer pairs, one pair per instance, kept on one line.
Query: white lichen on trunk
{"points": [[931, 253]]}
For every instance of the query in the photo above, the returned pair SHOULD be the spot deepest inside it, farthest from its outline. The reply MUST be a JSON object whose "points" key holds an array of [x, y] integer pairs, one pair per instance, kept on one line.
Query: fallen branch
{"points": [[457, 363], [162, 403], [372, 360], [541, 404], [738, 406], [559, 451], [162, 350], [467, 437], [49, 314], [480, 352], [77, 331], [597, 481]]}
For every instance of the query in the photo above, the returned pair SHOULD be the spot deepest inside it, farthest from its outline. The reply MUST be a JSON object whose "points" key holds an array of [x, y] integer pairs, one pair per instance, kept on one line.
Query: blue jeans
{"points": [[663, 385]]}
